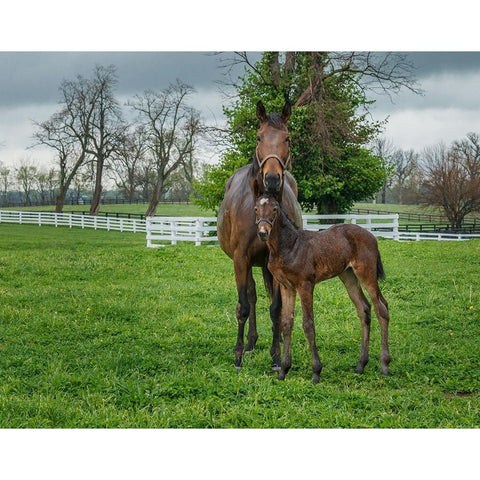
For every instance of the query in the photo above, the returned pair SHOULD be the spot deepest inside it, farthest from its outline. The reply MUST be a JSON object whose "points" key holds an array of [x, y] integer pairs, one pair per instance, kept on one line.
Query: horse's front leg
{"points": [[286, 322], [305, 293], [252, 334], [242, 271]]}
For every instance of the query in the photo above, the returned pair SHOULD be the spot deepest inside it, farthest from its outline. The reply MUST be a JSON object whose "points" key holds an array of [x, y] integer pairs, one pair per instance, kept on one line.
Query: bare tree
{"points": [[384, 148], [26, 175], [59, 133], [106, 128], [86, 129], [452, 179], [172, 128], [127, 162], [405, 166], [4, 181], [45, 183]]}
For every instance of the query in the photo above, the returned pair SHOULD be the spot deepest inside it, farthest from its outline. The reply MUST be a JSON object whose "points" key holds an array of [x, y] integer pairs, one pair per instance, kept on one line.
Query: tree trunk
{"points": [[154, 201], [97, 194], [60, 200]]}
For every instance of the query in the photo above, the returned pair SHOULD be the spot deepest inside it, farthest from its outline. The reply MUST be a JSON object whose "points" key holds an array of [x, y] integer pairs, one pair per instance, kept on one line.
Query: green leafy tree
{"points": [[329, 126]]}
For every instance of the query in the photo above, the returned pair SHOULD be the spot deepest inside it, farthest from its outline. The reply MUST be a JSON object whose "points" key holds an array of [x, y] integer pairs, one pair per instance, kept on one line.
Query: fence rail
{"points": [[73, 220], [200, 230]]}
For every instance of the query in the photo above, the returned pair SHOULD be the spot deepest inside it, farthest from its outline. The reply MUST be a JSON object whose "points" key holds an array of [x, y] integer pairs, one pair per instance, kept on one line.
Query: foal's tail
{"points": [[380, 270]]}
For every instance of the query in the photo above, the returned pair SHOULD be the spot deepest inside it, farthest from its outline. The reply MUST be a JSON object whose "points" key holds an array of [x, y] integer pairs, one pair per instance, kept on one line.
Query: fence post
{"points": [[174, 232], [396, 236], [198, 232], [148, 228]]}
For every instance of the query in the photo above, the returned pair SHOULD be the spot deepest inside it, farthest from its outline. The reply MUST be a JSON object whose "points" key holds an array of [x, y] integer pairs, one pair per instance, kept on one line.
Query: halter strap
{"points": [[272, 155], [266, 220]]}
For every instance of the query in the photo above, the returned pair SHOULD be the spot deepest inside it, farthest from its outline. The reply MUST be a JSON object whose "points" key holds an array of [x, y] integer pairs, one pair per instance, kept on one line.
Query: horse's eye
{"points": [[275, 208], [256, 209], [258, 139], [287, 139]]}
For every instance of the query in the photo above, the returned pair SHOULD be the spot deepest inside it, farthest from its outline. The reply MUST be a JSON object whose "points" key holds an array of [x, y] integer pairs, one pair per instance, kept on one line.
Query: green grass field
{"points": [[96, 330]]}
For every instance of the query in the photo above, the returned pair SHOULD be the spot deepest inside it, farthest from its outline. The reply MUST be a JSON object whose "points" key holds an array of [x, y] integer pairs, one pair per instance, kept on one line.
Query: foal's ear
{"points": [[287, 111], [261, 112]]}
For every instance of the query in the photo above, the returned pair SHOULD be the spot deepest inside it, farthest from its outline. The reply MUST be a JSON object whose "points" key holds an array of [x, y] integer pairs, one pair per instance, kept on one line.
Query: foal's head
{"points": [[273, 148], [266, 211]]}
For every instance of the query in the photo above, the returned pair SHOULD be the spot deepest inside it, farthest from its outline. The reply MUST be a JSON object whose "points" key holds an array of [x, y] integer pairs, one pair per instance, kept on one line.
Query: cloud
{"points": [[417, 129]]}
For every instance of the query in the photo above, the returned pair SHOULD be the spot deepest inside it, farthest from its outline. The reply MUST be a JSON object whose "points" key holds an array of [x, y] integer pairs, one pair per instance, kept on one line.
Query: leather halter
{"points": [[266, 220], [283, 164]]}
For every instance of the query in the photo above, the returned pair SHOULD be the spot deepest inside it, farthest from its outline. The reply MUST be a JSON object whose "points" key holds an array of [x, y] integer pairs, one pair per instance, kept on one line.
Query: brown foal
{"points": [[299, 259]]}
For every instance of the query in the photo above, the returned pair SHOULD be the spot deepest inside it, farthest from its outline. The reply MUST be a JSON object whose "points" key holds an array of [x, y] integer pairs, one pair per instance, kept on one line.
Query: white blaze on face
{"points": [[263, 201]]}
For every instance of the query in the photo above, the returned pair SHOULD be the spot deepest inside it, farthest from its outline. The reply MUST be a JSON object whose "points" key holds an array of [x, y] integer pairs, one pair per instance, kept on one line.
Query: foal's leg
{"points": [[252, 334], [363, 310], [305, 293], [381, 310], [286, 322], [275, 312]]}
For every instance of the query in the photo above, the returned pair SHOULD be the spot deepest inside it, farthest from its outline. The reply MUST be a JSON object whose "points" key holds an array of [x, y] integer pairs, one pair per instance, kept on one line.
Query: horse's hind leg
{"points": [[252, 334], [357, 296], [381, 310]]}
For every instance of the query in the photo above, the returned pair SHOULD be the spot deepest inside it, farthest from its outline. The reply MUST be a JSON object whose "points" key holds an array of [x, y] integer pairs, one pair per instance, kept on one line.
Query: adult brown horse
{"points": [[237, 231], [299, 259]]}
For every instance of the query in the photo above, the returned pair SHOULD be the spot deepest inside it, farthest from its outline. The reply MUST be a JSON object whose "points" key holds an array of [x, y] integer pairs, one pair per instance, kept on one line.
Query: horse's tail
{"points": [[268, 281], [380, 270]]}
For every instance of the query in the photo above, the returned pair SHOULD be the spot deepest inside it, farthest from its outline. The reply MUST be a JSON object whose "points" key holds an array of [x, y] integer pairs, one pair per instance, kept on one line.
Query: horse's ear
{"points": [[287, 111], [261, 112]]}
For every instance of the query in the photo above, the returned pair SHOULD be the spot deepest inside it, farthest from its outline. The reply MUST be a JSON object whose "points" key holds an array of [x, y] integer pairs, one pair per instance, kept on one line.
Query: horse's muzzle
{"points": [[263, 234], [272, 182]]}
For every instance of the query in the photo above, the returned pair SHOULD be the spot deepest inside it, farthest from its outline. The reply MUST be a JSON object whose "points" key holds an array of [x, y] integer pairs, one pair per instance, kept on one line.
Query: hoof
{"points": [[385, 372], [281, 376], [359, 370], [315, 378], [238, 368]]}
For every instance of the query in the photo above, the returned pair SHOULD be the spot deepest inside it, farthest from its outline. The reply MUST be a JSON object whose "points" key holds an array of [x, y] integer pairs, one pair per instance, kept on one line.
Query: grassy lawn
{"points": [[96, 330]]}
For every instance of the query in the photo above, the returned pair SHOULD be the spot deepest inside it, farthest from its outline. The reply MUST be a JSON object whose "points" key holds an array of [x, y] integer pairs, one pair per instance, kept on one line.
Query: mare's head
{"points": [[266, 211], [272, 155]]}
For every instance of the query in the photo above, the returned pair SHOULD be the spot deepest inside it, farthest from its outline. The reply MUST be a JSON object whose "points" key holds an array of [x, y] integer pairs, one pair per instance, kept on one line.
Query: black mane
{"points": [[275, 120]]}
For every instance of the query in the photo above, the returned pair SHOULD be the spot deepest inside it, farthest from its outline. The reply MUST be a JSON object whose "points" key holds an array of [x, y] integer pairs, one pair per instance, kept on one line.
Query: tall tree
{"points": [[26, 175], [383, 148], [329, 127], [128, 161], [405, 169], [106, 128], [452, 178], [86, 129], [172, 129]]}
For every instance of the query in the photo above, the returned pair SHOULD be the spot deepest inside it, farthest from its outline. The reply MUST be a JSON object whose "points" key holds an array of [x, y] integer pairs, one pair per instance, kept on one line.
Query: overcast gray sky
{"points": [[29, 81]]}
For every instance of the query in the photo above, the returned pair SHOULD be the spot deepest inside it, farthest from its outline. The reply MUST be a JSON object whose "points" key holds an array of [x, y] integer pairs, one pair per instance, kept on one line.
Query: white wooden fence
{"points": [[73, 220], [177, 229], [201, 230], [170, 230]]}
